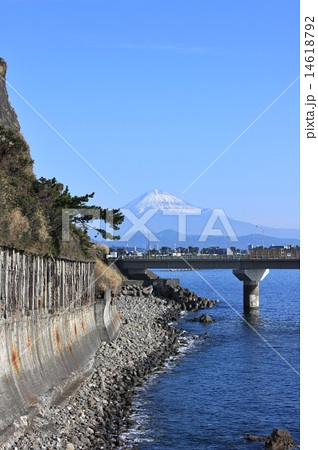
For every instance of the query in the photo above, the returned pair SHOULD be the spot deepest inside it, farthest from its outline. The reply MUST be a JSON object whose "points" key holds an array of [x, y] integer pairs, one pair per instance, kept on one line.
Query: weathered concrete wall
{"points": [[44, 351], [107, 318], [41, 356]]}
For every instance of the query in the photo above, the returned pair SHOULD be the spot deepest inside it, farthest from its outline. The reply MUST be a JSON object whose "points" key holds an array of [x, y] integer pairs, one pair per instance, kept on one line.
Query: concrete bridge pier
{"points": [[251, 279]]}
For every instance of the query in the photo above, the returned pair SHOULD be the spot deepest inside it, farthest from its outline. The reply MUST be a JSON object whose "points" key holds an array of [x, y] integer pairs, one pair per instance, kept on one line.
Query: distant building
{"points": [[220, 251], [135, 253], [276, 251]]}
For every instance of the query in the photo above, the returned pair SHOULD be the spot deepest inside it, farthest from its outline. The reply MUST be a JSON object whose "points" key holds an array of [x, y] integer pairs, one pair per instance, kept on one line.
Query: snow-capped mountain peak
{"points": [[160, 200]]}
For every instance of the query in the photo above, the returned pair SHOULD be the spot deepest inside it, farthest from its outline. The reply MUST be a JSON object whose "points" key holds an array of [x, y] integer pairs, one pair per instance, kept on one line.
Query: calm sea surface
{"points": [[243, 378]]}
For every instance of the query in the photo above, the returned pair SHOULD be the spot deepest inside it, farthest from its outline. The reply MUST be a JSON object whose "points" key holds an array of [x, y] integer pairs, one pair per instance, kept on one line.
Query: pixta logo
{"points": [[68, 215], [139, 224]]}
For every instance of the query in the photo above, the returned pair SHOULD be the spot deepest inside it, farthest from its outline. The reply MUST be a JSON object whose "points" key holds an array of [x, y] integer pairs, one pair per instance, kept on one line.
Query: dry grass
{"points": [[106, 278], [100, 251], [18, 224], [16, 231]]}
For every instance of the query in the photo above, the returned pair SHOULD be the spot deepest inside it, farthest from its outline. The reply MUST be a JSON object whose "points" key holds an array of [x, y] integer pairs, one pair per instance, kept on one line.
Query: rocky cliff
{"points": [[31, 209], [30, 218], [22, 222], [8, 117]]}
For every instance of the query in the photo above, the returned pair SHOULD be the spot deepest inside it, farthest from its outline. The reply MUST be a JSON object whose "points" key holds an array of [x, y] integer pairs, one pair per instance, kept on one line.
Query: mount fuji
{"points": [[161, 201], [162, 219]]}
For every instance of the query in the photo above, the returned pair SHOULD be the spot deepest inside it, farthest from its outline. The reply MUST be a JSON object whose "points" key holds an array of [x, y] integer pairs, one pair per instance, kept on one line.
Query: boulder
{"points": [[206, 318], [175, 343], [279, 440], [191, 306], [147, 290]]}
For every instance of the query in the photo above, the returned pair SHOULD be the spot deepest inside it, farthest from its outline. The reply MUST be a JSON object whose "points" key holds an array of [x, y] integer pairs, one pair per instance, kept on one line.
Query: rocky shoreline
{"points": [[97, 413]]}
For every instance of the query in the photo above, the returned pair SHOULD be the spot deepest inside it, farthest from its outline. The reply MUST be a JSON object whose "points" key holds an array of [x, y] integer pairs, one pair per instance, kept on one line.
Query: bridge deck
{"points": [[140, 263]]}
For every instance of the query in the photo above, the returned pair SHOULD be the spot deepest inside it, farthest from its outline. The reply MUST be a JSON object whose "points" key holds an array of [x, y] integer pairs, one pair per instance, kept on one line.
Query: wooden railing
{"points": [[31, 283]]}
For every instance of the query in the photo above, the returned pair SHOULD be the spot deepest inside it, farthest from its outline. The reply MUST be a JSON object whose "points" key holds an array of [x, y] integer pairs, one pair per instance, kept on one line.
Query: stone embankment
{"points": [[98, 412], [181, 298]]}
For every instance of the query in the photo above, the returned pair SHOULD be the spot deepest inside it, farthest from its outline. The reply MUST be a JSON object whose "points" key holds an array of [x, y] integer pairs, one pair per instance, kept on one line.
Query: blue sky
{"points": [[197, 98]]}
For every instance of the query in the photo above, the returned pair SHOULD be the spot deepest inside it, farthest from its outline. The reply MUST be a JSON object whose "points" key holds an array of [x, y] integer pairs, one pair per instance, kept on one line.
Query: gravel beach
{"points": [[94, 416], [97, 413]]}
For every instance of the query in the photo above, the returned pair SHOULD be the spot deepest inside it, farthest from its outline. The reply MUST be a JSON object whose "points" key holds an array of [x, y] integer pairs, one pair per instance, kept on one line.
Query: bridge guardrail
{"points": [[213, 257]]}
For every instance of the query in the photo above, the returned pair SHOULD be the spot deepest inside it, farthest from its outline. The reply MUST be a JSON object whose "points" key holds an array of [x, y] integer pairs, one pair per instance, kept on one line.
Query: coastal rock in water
{"points": [[206, 318], [252, 438], [279, 440], [191, 305]]}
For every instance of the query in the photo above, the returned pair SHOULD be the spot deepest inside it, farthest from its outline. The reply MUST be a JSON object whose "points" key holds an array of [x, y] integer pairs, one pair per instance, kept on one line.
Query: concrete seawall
{"points": [[98, 412], [44, 356]]}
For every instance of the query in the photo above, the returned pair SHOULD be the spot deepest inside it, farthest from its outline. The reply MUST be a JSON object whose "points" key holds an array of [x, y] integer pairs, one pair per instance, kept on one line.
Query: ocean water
{"points": [[241, 376]]}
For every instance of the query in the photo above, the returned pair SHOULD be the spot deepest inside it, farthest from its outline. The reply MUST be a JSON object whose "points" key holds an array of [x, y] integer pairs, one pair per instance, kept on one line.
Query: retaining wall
{"points": [[51, 326]]}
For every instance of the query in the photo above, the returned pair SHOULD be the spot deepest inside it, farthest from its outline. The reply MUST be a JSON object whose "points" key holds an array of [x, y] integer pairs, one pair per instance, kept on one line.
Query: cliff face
{"points": [[31, 209], [22, 221], [8, 117]]}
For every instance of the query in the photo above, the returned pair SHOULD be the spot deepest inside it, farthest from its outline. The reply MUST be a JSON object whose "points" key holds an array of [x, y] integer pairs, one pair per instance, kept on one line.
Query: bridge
{"points": [[247, 269]]}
